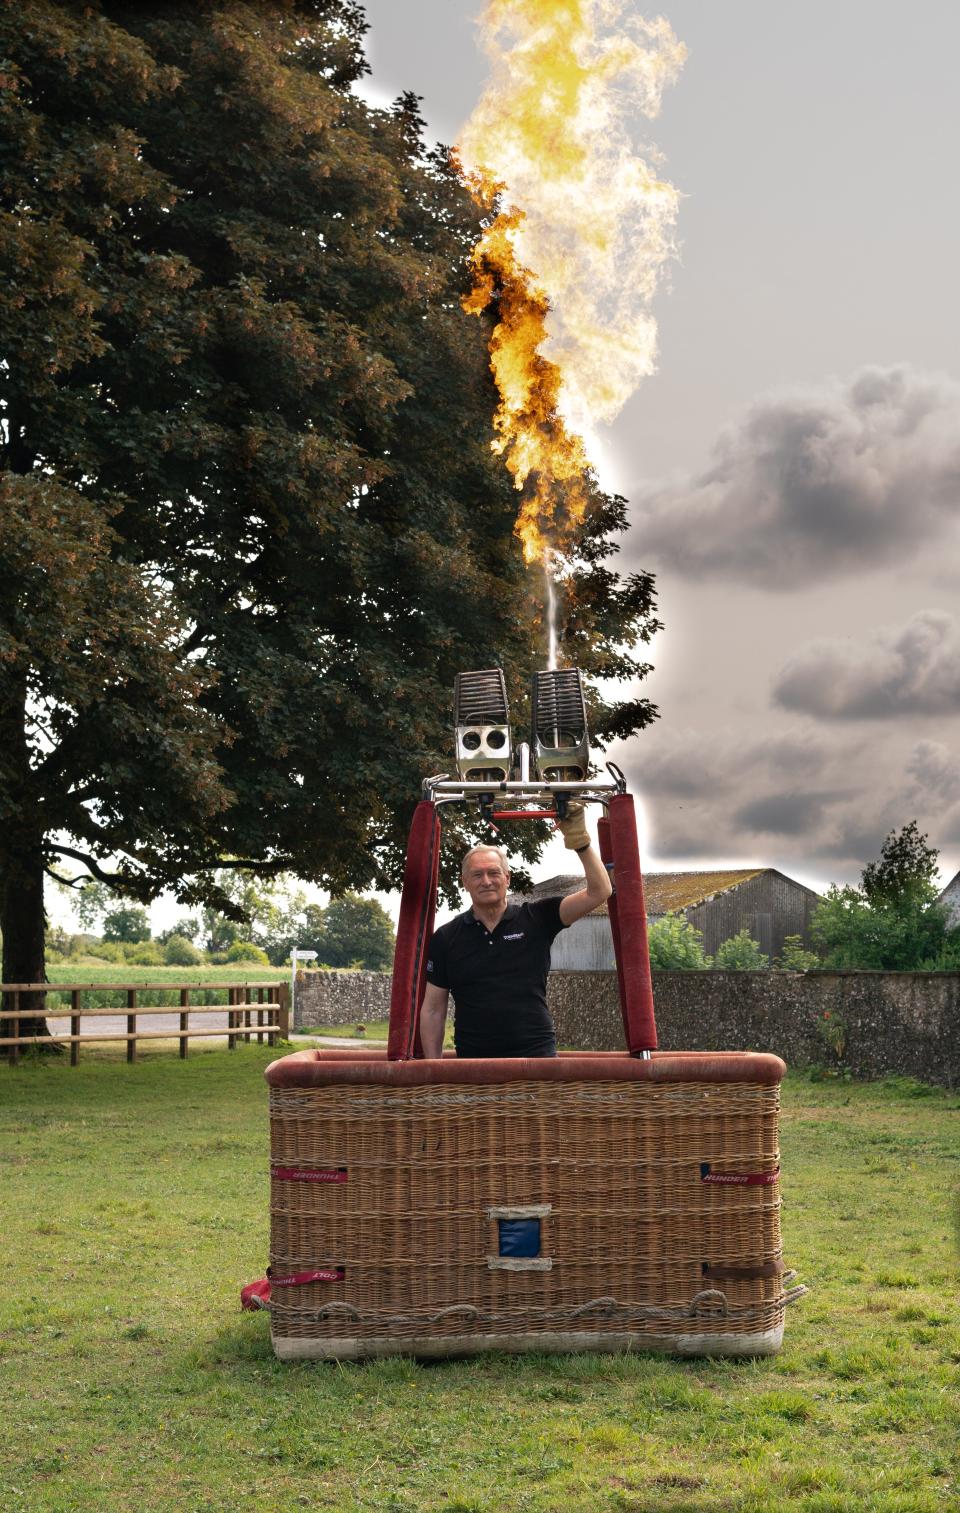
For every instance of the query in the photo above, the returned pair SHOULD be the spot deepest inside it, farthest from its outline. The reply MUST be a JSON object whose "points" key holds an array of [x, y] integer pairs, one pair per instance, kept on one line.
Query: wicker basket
{"points": [[587, 1202]]}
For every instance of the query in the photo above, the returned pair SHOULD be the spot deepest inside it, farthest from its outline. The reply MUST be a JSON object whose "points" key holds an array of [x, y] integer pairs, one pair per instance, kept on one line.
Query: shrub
{"points": [[796, 957], [741, 953], [675, 946], [147, 954], [178, 951], [245, 950]]}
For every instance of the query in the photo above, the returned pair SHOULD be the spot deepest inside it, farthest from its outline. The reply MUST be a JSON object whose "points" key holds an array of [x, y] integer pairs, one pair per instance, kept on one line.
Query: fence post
{"points": [[231, 1017], [74, 1026], [283, 999], [15, 1031], [184, 1018], [132, 1023], [259, 1014]]}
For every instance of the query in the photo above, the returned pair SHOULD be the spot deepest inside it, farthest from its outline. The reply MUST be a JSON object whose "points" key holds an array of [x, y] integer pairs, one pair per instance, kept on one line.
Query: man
{"points": [[494, 958]]}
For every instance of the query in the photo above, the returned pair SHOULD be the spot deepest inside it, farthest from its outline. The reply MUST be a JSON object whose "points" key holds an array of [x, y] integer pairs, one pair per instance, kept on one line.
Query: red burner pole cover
{"points": [[414, 929], [628, 921]]}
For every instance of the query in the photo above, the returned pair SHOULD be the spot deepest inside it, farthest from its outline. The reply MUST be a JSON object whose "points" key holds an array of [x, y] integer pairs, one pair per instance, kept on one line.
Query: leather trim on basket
{"points": [[737, 1179], [317, 1068], [724, 1273], [307, 1174]]}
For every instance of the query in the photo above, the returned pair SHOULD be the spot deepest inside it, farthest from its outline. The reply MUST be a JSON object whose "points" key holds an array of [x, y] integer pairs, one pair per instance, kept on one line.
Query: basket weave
{"points": [[643, 1244]]}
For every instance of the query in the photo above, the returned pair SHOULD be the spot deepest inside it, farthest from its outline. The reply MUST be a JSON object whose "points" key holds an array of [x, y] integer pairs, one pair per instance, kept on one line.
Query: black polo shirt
{"points": [[498, 979]]}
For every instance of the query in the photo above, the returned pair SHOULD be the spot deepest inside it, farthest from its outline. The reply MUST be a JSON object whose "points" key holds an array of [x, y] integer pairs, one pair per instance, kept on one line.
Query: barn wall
{"points": [[769, 906], [586, 946]]}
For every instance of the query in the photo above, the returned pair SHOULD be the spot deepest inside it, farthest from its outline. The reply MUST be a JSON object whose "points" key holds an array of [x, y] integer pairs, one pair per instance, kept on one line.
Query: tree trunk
{"points": [[22, 916]]}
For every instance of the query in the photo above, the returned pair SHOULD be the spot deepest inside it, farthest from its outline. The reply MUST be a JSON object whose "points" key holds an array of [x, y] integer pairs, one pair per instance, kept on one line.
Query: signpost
{"points": [[296, 956]]}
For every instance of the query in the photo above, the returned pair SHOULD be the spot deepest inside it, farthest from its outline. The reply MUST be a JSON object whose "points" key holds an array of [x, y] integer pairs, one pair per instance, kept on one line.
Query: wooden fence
{"points": [[270, 1005]]}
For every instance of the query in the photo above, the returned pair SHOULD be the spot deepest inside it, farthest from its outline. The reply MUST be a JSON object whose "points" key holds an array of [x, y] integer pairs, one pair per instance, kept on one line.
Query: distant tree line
{"points": [[351, 931]]}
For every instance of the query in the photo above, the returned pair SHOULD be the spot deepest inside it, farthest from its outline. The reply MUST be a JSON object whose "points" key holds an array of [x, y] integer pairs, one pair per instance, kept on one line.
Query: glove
{"points": [[576, 837]]}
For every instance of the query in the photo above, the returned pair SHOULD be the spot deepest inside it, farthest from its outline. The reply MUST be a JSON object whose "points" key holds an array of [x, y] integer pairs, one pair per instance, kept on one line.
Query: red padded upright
{"points": [[414, 929], [630, 934], [606, 856]]}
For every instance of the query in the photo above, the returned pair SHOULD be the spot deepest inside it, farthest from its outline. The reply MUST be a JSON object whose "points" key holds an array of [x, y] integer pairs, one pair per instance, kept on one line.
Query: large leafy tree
{"points": [[251, 525], [891, 922]]}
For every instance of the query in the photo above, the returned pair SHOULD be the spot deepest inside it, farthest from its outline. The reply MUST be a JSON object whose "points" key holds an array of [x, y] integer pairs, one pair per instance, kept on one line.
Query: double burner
{"points": [[559, 749]]}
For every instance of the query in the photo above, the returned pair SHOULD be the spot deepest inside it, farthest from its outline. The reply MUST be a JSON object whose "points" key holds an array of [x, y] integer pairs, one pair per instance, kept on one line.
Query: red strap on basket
{"points": [[303, 1174], [737, 1179]]}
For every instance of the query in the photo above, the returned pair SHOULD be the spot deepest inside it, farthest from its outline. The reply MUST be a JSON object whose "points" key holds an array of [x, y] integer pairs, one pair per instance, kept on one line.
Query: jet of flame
{"points": [[580, 228]]}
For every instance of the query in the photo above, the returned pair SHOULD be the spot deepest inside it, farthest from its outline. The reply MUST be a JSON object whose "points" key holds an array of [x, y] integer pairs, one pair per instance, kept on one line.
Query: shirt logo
{"points": [[429, 966], [514, 937]]}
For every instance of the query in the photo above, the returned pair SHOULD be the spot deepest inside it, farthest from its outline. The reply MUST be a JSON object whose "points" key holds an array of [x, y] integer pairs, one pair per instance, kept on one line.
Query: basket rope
{"points": [[710, 1303]]}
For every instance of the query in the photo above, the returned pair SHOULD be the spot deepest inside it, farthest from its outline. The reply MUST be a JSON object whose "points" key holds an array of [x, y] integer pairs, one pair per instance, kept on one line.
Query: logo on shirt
{"points": [[429, 966], [518, 936]]}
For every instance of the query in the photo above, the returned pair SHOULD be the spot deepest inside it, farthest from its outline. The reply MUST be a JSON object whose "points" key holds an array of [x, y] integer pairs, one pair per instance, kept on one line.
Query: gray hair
{"points": [[498, 850]]}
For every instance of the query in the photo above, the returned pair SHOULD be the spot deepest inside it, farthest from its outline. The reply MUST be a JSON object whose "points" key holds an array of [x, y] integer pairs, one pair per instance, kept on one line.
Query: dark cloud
{"points": [[816, 803], [691, 764], [911, 671], [934, 771], [815, 485], [786, 813]]}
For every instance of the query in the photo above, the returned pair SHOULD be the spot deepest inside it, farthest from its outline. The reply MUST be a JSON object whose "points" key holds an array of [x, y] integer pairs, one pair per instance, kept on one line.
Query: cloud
{"points": [[911, 671], [792, 813], [814, 801], [935, 772], [689, 764], [815, 485]]}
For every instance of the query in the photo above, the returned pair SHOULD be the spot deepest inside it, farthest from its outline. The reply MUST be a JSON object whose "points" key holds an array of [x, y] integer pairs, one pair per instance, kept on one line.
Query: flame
{"points": [[573, 271]]}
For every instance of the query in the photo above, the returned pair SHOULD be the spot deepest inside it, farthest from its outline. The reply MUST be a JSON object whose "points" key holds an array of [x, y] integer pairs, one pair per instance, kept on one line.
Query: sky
{"points": [[793, 467]]}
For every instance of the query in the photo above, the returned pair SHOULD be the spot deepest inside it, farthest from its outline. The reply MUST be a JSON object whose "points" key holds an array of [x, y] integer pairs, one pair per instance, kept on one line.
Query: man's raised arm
{"points": [[576, 838]]}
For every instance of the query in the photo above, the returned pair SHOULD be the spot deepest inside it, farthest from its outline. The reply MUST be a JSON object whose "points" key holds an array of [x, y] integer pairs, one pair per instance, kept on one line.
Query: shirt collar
{"points": [[509, 913]]}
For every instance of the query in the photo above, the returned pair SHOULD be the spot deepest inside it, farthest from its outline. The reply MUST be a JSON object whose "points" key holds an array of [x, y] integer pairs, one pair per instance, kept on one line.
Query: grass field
{"points": [[136, 1206], [102, 972]]}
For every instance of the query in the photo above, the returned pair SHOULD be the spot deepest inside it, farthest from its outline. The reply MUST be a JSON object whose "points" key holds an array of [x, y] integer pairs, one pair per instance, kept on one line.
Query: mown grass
{"points": [[136, 1206]]}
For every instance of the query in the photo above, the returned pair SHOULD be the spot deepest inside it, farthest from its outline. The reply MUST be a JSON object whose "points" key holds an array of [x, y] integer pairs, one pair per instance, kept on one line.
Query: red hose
{"points": [[630, 930], [414, 929]]}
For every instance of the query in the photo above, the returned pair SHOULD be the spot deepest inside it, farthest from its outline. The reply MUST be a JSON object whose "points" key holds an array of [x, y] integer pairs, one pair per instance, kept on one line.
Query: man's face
{"points": [[485, 880]]}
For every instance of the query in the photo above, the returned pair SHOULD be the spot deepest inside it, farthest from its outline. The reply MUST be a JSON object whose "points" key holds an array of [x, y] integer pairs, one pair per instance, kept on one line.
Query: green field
{"points": [[102, 972], [136, 1206]]}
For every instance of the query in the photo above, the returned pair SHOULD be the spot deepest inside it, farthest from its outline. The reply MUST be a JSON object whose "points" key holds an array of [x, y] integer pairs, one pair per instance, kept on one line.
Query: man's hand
{"points": [[576, 837]]}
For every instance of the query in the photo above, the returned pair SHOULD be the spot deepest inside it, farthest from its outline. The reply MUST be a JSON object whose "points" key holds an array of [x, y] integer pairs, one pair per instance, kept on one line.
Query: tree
{"points": [[906, 869], [130, 924], [251, 524], [741, 953], [357, 932], [891, 922], [675, 946], [882, 936], [247, 905]]}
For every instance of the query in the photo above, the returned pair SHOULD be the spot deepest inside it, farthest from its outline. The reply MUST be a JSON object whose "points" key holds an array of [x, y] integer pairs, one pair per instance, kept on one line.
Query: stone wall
{"points": [[340, 998], [874, 1023]]}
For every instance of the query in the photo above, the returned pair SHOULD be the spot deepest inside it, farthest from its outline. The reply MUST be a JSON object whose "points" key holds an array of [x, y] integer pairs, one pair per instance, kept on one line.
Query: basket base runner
{"points": [[304, 1348]]}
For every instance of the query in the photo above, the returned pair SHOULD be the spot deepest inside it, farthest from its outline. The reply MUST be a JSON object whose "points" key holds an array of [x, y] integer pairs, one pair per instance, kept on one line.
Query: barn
{"points": [[718, 904], [950, 899]]}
